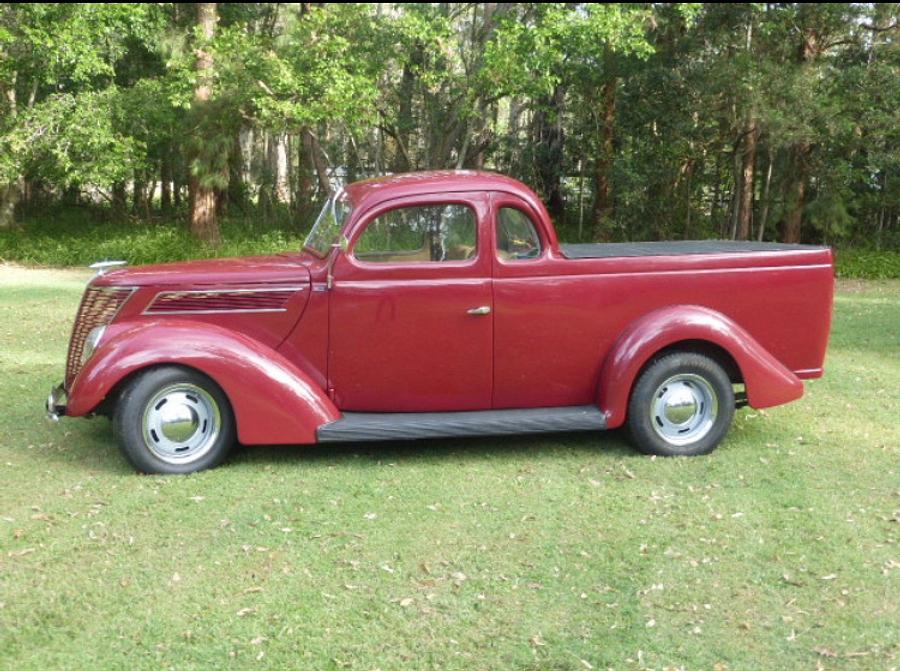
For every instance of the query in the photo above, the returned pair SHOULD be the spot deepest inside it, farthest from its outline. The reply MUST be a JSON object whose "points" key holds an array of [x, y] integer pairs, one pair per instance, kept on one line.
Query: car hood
{"points": [[278, 268]]}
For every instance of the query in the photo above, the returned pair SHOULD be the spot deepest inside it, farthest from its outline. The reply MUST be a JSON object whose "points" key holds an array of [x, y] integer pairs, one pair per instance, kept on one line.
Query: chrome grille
{"points": [[99, 306]]}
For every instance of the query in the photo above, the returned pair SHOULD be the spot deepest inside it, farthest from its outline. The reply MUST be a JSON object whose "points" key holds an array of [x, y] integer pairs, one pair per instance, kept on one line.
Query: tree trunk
{"points": [[510, 153], [689, 177], [305, 196], [548, 136], [203, 201], [810, 48], [764, 214], [139, 194], [10, 195], [318, 161], [795, 192], [176, 191], [603, 196], [748, 165], [717, 195], [165, 185], [11, 192], [119, 198], [735, 205], [235, 191], [151, 193], [280, 168], [405, 122]]}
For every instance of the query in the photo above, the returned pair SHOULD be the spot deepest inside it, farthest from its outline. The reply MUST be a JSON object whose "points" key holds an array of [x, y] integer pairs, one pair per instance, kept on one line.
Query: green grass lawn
{"points": [[780, 550]]}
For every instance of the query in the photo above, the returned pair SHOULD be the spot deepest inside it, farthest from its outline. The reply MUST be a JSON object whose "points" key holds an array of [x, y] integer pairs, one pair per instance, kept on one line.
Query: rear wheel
{"points": [[682, 404], [173, 420]]}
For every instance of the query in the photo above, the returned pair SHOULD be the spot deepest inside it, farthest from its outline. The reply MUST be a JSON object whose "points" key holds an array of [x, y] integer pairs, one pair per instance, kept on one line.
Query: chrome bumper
{"points": [[56, 403]]}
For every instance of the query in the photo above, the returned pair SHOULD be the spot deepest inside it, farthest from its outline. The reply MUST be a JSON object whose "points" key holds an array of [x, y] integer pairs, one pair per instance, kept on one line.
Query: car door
{"points": [[411, 324], [545, 338]]}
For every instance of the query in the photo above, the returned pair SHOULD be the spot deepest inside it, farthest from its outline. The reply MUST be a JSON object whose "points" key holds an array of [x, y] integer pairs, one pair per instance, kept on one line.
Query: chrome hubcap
{"points": [[181, 423], [684, 409]]}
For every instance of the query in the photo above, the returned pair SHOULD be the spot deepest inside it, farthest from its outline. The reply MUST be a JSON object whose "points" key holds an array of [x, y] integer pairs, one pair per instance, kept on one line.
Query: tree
{"points": [[57, 75], [573, 51], [204, 173], [641, 121]]}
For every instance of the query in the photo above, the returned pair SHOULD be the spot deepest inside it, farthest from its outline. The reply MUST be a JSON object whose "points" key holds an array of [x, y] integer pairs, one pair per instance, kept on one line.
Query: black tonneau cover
{"points": [[676, 248]]}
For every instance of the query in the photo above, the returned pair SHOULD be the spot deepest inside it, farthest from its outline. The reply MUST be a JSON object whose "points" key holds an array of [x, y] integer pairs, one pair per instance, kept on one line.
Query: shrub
{"points": [[868, 264], [78, 237]]}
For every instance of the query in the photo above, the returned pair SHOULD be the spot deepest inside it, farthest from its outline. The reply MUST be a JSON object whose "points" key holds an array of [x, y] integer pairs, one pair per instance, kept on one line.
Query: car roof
{"points": [[369, 192]]}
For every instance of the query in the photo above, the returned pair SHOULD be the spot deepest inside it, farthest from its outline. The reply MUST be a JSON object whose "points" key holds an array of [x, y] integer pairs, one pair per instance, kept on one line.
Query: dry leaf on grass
{"points": [[825, 652], [21, 553]]}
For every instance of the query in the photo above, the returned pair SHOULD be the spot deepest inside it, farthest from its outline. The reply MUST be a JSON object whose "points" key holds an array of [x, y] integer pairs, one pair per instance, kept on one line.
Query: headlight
{"points": [[91, 342]]}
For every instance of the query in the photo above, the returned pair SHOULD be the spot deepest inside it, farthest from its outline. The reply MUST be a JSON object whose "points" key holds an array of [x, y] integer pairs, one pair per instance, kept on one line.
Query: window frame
{"points": [[498, 203], [534, 228], [365, 257], [437, 199]]}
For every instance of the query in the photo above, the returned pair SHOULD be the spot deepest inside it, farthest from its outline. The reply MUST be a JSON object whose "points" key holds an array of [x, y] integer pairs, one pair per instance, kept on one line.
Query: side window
{"points": [[420, 234], [517, 239]]}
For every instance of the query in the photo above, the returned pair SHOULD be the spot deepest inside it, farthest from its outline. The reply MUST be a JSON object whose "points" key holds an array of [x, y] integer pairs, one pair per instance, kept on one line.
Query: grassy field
{"points": [[779, 551]]}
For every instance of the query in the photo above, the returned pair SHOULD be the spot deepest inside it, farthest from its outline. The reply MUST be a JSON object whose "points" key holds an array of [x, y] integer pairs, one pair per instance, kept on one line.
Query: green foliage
{"points": [[868, 264], [72, 44], [556, 44], [73, 139], [57, 72], [631, 120], [78, 237]]}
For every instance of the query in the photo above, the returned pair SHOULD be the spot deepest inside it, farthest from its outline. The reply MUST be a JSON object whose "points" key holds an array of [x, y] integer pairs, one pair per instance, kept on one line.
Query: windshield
{"points": [[328, 226]]}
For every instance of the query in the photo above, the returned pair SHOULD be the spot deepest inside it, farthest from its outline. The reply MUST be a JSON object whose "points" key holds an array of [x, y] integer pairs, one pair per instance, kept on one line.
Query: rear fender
{"points": [[273, 400], [767, 380]]}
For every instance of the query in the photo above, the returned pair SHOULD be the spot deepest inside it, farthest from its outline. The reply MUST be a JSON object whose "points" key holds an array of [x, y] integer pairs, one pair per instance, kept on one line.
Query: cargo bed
{"points": [[676, 248]]}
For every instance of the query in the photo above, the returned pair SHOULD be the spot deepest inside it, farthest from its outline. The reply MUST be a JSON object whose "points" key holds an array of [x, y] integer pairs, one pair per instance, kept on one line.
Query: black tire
{"points": [[189, 398], [667, 390]]}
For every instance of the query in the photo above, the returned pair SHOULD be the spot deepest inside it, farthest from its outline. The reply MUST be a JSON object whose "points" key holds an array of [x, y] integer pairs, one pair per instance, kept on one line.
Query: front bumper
{"points": [[56, 403]]}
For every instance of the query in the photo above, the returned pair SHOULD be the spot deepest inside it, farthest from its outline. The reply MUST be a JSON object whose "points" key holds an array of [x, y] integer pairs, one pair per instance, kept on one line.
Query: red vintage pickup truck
{"points": [[442, 304]]}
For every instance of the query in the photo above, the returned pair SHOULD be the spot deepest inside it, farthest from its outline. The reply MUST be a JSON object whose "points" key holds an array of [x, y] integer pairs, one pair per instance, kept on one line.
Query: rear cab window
{"points": [[517, 236]]}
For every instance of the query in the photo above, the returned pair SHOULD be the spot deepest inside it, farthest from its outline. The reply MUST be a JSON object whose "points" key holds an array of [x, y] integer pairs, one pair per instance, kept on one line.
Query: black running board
{"points": [[359, 426]]}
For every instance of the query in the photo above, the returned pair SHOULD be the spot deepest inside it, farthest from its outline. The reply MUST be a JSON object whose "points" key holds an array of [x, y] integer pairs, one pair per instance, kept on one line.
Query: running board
{"points": [[360, 426]]}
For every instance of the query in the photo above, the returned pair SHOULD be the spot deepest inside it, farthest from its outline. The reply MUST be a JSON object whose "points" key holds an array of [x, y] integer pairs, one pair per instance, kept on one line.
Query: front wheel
{"points": [[173, 420], [682, 404]]}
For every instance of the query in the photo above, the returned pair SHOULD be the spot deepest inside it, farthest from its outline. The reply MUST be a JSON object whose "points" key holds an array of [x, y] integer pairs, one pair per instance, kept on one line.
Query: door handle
{"points": [[482, 310]]}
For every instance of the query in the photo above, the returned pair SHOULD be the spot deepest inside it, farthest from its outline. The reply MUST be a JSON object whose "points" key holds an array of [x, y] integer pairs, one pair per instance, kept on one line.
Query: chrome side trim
{"points": [[211, 312], [255, 290], [209, 292]]}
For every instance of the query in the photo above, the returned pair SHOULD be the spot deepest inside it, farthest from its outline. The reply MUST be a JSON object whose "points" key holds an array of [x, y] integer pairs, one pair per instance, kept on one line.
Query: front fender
{"points": [[767, 380], [273, 400]]}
